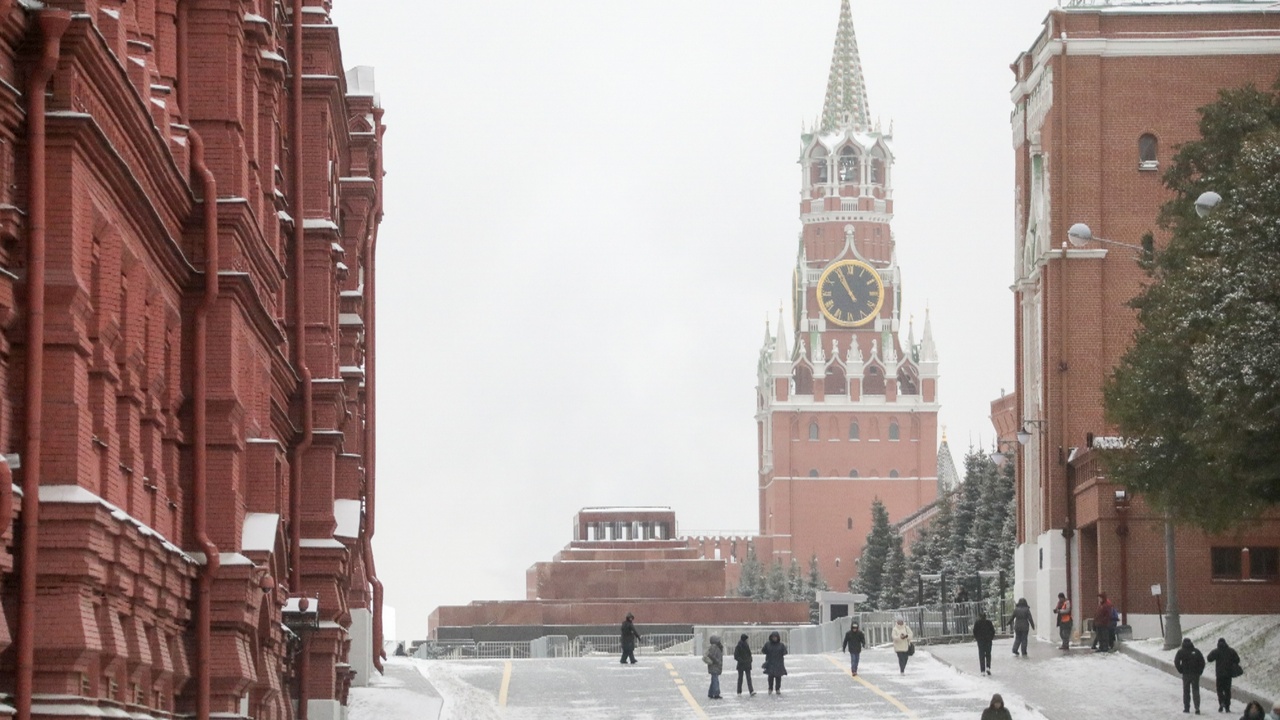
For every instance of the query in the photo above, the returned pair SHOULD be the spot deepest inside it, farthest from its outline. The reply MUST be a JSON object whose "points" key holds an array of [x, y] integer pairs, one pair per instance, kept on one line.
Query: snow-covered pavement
{"points": [[818, 687]]}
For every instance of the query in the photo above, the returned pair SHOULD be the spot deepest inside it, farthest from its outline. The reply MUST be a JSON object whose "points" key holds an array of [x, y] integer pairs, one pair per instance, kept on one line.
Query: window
{"points": [[813, 473], [1225, 562], [853, 430], [813, 430], [893, 473], [849, 165], [818, 166], [877, 171], [1148, 147], [1264, 563], [853, 473], [893, 429], [849, 522]]}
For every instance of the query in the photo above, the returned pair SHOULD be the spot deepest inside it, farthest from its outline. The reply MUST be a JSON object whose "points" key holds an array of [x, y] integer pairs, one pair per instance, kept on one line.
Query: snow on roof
{"points": [[291, 605], [319, 224], [350, 319], [347, 513], [328, 543], [1170, 6], [76, 495], [223, 558], [259, 532], [625, 509]]}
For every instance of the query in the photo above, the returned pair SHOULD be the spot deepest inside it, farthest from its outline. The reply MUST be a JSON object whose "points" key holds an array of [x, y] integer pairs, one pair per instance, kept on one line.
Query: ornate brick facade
{"points": [[189, 205], [1102, 99]]}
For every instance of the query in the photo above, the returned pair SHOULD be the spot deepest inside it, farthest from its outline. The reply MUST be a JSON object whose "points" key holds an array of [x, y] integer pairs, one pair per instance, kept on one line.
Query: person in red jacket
{"points": [[1102, 624]]}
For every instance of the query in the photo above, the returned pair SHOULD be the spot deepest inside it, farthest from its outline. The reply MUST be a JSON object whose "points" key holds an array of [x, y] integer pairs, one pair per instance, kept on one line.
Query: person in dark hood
{"points": [[742, 654], [1254, 711], [996, 710], [984, 632], [854, 642], [1226, 661], [714, 658], [1102, 630], [774, 666], [1189, 663], [1023, 624], [629, 638]]}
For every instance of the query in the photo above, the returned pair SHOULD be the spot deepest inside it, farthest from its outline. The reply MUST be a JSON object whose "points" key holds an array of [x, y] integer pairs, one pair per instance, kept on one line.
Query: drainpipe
{"points": [[300, 335], [371, 374], [200, 428], [1068, 532], [52, 25]]}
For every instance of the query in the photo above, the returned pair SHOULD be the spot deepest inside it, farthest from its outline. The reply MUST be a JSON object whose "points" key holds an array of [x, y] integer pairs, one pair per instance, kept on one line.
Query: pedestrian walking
{"points": [[714, 658], [1254, 711], [854, 642], [984, 632], [630, 636], [996, 710], [742, 654], [774, 666], [1023, 624], [1063, 613], [1226, 668], [1102, 624], [1189, 662], [903, 643]]}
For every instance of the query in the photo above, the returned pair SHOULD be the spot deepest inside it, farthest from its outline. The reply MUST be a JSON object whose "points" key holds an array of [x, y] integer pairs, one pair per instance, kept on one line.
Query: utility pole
{"points": [[1172, 626]]}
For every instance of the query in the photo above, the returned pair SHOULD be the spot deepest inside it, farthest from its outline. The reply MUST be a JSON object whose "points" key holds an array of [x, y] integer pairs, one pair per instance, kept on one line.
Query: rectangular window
{"points": [[1225, 562], [1264, 563]]}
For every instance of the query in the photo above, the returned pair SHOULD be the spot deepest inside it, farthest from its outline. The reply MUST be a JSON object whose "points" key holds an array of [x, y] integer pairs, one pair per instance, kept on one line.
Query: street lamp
{"points": [[1005, 450], [1024, 434]]}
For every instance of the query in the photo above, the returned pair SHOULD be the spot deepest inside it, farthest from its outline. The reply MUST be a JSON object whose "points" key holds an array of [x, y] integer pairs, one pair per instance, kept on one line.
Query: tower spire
{"points": [[846, 104]]}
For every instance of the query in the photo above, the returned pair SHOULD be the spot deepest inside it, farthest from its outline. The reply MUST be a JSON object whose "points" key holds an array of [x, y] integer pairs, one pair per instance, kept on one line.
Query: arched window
{"points": [[813, 430], [853, 473], [853, 430], [813, 473], [893, 473], [893, 429], [818, 166], [877, 171], [1148, 149], [850, 170]]}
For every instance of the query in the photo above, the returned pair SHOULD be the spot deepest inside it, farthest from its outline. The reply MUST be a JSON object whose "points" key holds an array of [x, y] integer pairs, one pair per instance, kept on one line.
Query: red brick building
{"points": [[620, 560], [847, 411], [1102, 99], [189, 200]]}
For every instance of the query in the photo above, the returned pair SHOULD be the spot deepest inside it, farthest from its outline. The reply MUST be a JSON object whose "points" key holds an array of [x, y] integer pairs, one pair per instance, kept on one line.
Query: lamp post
{"points": [[1122, 531]]}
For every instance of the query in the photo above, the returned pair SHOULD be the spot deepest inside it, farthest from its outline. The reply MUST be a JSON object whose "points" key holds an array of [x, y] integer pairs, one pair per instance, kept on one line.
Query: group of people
{"points": [[904, 646], [1191, 663], [774, 666]]}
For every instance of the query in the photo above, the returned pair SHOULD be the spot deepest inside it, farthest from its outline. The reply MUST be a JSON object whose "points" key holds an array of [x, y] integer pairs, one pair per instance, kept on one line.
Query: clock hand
{"points": [[847, 289]]}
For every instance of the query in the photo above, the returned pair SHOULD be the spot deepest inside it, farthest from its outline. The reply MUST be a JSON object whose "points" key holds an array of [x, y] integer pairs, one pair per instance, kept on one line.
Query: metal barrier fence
{"points": [[939, 623]]}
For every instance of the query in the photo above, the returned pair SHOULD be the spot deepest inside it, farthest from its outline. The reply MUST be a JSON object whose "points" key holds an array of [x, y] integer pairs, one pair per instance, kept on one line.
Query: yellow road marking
{"points": [[892, 700], [697, 709], [506, 684]]}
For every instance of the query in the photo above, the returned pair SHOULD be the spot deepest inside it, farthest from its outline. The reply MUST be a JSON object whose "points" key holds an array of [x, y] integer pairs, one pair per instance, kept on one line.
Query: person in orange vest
{"points": [[1063, 611]]}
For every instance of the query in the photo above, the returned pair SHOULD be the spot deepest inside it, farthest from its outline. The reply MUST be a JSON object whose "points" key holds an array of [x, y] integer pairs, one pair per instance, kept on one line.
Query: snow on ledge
{"points": [[259, 532], [347, 513], [76, 495]]}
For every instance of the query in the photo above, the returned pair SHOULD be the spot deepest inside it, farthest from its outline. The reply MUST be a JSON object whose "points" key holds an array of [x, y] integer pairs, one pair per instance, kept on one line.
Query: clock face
{"points": [[850, 293]]}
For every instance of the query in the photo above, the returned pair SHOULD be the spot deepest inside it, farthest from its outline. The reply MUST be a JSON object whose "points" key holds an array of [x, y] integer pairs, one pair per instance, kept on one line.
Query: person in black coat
{"points": [[984, 632], [629, 638], [1226, 661], [854, 642], [774, 666], [1189, 663], [742, 654]]}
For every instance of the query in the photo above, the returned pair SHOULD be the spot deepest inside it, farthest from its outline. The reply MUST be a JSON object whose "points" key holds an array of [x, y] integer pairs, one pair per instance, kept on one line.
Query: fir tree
{"points": [[796, 591], [751, 580], [875, 554], [776, 583], [813, 586], [895, 576]]}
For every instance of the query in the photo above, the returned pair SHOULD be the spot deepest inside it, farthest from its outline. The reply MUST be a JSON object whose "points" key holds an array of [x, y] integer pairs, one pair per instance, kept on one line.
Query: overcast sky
{"points": [[591, 208]]}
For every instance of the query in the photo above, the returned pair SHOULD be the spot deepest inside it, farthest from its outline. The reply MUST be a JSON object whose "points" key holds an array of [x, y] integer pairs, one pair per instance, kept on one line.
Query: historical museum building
{"points": [[1101, 102], [189, 201], [847, 409]]}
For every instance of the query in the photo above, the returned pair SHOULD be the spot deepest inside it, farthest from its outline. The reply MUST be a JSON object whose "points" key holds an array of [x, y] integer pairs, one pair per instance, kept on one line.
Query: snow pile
{"points": [[1255, 637]]}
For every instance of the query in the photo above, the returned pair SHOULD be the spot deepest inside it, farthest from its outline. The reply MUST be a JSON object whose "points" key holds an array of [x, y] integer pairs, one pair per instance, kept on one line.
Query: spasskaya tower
{"points": [[847, 411]]}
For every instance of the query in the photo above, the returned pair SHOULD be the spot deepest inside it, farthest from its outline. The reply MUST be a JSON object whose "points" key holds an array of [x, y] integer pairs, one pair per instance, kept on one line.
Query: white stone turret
{"points": [[928, 352]]}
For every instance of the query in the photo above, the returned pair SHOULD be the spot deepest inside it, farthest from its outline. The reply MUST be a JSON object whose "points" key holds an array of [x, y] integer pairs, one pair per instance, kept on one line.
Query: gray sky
{"points": [[591, 208]]}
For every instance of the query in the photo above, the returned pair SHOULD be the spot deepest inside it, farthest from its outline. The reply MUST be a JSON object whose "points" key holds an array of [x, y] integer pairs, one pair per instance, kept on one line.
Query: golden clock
{"points": [[850, 293]]}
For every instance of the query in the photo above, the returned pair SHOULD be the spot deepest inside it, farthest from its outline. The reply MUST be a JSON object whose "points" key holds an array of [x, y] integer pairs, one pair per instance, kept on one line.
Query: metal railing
{"points": [[470, 650]]}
